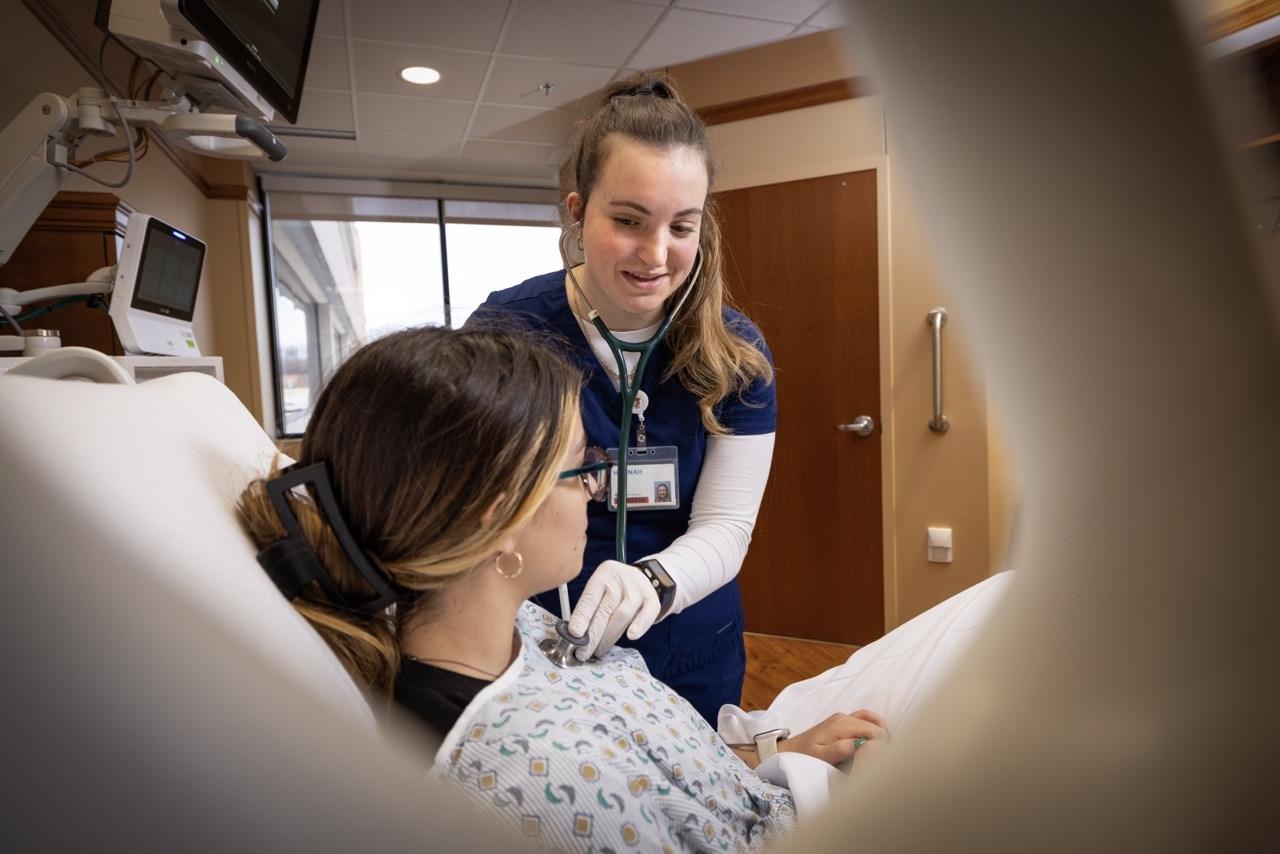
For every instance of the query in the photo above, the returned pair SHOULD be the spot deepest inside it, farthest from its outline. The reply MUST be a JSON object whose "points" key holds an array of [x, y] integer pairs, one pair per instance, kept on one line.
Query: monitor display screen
{"points": [[267, 41], [168, 272]]}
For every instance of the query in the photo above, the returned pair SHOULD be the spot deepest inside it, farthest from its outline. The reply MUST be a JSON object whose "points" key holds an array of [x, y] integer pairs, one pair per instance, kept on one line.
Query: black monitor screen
{"points": [[168, 272], [267, 41]]}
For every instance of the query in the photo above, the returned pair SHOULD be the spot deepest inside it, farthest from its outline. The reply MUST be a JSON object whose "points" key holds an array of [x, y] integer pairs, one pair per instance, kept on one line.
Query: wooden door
{"points": [[802, 263]]}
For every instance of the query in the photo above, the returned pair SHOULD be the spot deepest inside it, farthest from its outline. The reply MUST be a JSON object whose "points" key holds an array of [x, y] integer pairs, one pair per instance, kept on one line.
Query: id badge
{"points": [[653, 478]]}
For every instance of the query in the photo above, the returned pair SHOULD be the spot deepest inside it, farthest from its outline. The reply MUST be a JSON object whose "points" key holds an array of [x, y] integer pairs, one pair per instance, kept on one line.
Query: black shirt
{"points": [[434, 695]]}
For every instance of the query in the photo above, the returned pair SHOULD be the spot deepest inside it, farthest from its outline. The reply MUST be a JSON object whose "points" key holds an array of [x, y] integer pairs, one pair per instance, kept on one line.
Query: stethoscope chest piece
{"points": [[560, 648]]}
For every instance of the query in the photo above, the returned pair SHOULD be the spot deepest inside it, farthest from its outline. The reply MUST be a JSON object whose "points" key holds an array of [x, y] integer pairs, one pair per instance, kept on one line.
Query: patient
{"points": [[459, 466]]}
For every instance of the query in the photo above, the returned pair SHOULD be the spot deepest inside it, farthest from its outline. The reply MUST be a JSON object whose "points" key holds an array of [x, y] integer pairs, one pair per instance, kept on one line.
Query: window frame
{"points": [[334, 195]]}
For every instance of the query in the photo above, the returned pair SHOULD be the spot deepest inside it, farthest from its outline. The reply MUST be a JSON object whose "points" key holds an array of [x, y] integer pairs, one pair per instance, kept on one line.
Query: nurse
{"points": [[636, 198]]}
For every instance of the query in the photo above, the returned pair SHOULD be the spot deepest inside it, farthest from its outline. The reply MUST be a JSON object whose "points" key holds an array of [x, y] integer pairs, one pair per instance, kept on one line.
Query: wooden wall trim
{"points": [[227, 191], [792, 99], [77, 211], [54, 21], [1241, 16]]}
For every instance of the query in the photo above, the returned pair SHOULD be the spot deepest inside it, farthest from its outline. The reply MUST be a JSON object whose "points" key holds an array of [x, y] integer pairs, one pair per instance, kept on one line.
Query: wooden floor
{"points": [[775, 662]]}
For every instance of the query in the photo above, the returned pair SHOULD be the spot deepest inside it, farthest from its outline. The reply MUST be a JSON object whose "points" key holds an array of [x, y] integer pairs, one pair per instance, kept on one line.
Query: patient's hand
{"points": [[833, 739]]}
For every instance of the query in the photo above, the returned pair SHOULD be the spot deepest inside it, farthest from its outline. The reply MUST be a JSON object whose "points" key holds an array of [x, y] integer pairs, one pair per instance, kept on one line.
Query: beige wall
{"points": [[238, 297], [943, 479], [956, 480], [32, 61], [766, 70]]}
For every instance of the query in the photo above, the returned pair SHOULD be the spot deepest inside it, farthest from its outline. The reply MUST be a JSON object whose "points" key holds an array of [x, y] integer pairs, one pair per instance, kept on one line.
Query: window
{"points": [[350, 269]]}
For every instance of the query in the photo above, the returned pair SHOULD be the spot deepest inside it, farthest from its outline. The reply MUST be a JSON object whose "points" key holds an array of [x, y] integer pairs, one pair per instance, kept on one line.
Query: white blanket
{"points": [[888, 676]]}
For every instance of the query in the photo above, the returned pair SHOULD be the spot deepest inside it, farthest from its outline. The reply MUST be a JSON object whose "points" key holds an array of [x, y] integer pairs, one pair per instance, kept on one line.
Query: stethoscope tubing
{"points": [[628, 389]]}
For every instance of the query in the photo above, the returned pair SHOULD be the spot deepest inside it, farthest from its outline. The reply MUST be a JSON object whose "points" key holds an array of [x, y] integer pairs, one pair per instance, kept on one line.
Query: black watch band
{"points": [[661, 583]]}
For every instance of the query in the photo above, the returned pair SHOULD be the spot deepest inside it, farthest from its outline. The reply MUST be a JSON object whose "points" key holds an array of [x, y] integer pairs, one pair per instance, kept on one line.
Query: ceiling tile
{"points": [[834, 15], [408, 145], [685, 35], [396, 114], [523, 125], [524, 172], [579, 45], [516, 81], [299, 144], [512, 152], [330, 21], [378, 65], [320, 161], [792, 11], [327, 68], [459, 24], [476, 171], [489, 171], [597, 32], [321, 109]]}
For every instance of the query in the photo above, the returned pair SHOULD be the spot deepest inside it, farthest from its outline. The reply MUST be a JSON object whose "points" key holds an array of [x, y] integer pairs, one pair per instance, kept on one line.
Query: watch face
{"points": [[658, 572], [661, 582]]}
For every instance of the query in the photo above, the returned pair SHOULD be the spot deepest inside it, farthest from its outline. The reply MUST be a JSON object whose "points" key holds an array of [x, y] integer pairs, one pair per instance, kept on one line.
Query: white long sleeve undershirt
{"points": [[734, 471], [710, 552]]}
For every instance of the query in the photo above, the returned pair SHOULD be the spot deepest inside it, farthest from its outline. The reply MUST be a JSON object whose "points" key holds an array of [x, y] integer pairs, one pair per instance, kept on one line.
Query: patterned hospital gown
{"points": [[604, 757]]}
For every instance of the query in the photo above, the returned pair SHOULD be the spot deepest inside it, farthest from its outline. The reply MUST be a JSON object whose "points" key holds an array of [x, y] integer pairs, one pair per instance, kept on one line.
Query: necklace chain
{"points": [[450, 661]]}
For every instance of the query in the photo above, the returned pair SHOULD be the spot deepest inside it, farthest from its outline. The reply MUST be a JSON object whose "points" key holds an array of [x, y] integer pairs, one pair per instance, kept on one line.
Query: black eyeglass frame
{"points": [[604, 464]]}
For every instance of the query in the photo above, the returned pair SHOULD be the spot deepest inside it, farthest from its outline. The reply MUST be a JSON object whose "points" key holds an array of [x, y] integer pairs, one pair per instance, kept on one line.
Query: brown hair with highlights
{"points": [[441, 443]]}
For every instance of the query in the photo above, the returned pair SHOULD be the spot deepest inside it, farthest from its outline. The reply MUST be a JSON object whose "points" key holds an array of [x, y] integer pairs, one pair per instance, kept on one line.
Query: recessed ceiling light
{"points": [[420, 75]]}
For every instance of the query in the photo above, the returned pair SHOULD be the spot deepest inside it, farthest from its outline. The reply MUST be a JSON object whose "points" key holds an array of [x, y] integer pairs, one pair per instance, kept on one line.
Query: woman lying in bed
{"points": [[458, 464]]}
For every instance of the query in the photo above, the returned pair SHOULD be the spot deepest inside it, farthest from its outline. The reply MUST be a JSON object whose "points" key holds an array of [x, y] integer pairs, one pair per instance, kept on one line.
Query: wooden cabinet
{"points": [[76, 234]]}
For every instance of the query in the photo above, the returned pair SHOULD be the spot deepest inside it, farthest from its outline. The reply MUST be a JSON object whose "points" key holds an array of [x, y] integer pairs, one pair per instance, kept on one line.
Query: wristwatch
{"points": [[662, 583], [767, 742]]}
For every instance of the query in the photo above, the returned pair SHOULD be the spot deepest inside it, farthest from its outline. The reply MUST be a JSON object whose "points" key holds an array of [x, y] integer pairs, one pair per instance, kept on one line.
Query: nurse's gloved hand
{"points": [[618, 598]]}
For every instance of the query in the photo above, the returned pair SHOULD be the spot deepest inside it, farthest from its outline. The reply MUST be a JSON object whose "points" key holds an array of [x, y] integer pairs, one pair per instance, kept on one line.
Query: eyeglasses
{"points": [[594, 473]]}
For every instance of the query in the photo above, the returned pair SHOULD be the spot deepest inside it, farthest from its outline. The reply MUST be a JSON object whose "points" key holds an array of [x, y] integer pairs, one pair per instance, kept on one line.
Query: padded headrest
{"points": [[153, 471]]}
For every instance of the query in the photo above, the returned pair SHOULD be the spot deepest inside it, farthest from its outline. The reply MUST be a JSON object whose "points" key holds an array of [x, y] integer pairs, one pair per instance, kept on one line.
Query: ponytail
{"points": [[366, 645]]}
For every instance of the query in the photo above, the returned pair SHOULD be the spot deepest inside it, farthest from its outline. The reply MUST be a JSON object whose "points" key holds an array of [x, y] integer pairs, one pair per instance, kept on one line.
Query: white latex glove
{"points": [[617, 598]]}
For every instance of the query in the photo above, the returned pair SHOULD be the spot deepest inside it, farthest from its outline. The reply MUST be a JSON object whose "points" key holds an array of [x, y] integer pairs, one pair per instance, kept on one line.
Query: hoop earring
{"points": [[580, 240], [497, 565]]}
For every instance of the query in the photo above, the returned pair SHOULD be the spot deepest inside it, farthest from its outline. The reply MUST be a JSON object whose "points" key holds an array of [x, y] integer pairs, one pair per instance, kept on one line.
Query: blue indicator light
{"points": [[179, 235]]}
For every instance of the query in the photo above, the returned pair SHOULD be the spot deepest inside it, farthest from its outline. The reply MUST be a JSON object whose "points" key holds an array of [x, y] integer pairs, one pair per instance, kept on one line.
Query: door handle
{"points": [[860, 426]]}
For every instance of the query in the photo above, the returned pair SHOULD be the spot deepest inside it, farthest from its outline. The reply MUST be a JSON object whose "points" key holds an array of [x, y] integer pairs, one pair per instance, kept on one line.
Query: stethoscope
{"points": [[560, 649]]}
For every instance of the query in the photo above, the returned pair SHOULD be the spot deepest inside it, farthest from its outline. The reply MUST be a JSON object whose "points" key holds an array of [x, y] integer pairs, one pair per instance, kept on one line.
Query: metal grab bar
{"points": [[937, 318]]}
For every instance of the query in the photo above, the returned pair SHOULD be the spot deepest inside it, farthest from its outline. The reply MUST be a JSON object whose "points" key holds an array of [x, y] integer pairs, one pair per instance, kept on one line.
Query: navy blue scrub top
{"points": [[711, 627]]}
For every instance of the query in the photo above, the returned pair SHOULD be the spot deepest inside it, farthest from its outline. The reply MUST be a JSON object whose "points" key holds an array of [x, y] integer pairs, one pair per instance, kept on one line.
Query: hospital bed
{"points": [[1122, 697], [159, 692]]}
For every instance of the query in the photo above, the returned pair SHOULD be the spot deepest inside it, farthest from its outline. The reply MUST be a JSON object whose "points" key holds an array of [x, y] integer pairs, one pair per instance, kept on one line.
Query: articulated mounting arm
{"points": [[37, 146]]}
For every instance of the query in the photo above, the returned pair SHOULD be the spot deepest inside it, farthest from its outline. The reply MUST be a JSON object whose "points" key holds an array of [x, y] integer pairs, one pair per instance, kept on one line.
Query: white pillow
{"points": [[153, 471]]}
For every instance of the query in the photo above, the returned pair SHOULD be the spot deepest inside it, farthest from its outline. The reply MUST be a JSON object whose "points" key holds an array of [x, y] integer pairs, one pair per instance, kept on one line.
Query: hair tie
{"points": [[292, 564], [656, 89]]}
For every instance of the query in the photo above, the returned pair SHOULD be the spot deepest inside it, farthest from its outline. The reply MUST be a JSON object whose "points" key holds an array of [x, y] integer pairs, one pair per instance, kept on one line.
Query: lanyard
{"points": [[629, 387]]}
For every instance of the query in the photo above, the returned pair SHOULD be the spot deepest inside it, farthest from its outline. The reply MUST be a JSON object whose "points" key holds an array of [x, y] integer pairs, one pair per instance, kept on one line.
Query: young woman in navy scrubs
{"points": [[636, 196]]}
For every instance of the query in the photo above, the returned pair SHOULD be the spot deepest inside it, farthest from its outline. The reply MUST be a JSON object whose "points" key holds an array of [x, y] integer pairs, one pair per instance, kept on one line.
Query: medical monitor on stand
{"points": [[154, 297]]}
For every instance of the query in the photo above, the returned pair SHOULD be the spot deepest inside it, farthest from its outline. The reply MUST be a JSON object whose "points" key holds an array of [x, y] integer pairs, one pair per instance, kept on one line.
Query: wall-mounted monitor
{"points": [[268, 41], [243, 55]]}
